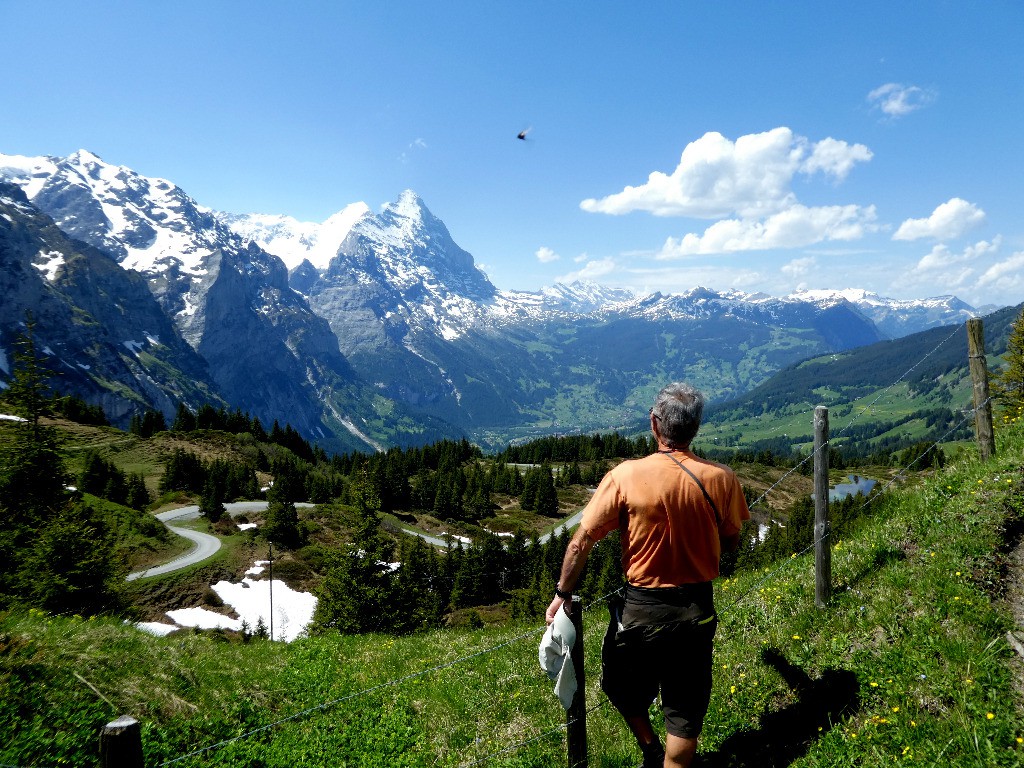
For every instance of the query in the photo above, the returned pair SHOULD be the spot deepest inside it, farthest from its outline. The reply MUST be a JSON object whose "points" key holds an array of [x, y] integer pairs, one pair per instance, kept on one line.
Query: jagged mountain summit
{"points": [[897, 317], [296, 241], [371, 329], [267, 352]]}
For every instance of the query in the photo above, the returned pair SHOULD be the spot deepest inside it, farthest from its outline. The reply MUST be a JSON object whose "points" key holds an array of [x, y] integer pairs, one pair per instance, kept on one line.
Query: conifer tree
{"points": [[184, 419], [211, 505], [72, 566], [54, 550], [29, 388], [1008, 383], [138, 494], [358, 592], [32, 474], [152, 422], [282, 525], [546, 499]]}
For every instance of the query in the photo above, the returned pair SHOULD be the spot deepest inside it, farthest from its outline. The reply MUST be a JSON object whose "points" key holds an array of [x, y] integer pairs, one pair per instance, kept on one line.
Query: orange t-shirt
{"points": [[670, 534]]}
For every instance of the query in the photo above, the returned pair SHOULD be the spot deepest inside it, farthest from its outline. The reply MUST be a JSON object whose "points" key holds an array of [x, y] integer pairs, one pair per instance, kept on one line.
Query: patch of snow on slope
{"points": [[31, 173], [250, 599], [48, 264]]}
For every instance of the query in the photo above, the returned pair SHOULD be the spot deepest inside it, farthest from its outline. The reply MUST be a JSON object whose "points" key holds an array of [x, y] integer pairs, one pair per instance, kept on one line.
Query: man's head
{"points": [[677, 412]]}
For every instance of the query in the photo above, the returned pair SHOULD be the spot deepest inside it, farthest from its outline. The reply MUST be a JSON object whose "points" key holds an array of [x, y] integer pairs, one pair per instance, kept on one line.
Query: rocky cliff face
{"points": [[106, 336], [266, 351]]}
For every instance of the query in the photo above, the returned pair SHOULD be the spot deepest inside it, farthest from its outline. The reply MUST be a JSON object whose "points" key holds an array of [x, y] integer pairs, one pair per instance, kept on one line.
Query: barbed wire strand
{"points": [[521, 744], [870, 499], [870, 406], [389, 683], [866, 410], [534, 631], [970, 413], [906, 373], [348, 697], [767, 577]]}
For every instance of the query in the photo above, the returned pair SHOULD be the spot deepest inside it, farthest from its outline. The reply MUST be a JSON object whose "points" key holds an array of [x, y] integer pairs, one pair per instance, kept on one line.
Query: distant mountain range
{"points": [[368, 330]]}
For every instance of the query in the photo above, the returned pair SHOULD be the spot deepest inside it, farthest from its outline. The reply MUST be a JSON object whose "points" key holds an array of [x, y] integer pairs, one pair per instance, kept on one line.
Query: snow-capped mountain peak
{"points": [[583, 296], [148, 224], [895, 317], [405, 224], [295, 241]]}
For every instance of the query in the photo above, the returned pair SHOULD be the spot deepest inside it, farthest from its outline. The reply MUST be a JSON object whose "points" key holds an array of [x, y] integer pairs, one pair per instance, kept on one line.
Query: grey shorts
{"points": [[663, 646]]}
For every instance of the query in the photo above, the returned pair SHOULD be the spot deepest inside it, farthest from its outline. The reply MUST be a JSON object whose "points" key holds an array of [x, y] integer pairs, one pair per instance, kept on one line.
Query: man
{"points": [[676, 513]]}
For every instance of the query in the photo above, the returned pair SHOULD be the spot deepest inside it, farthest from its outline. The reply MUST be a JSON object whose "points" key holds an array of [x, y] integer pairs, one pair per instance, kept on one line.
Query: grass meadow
{"points": [[908, 664]]}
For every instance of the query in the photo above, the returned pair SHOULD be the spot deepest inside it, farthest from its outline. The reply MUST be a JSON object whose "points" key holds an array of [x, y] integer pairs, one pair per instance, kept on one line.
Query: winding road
{"points": [[206, 545]]}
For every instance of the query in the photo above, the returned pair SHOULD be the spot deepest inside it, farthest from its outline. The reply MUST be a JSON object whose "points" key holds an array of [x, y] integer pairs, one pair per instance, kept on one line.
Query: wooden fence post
{"points": [[576, 716], [979, 380], [121, 744], [822, 532]]}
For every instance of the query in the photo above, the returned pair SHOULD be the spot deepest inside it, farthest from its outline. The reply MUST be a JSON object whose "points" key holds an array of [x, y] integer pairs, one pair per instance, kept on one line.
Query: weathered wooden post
{"points": [[271, 556], [576, 716], [121, 744], [979, 380], [822, 532]]}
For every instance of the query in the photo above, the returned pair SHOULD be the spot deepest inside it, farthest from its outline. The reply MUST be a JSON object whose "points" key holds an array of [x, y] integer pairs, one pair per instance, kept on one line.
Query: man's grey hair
{"points": [[678, 408]]}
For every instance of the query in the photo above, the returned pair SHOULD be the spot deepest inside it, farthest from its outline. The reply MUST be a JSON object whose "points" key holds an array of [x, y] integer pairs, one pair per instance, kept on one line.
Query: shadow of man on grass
{"points": [[787, 734]]}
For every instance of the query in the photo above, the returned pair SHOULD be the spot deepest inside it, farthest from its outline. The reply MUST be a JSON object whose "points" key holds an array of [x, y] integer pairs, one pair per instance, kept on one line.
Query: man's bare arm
{"points": [[575, 559]]}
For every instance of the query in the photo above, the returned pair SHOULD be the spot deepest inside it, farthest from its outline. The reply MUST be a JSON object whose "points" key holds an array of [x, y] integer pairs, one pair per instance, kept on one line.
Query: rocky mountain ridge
{"points": [[398, 336]]}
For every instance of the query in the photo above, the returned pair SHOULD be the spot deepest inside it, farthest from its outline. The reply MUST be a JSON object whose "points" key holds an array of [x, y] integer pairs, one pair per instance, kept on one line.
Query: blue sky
{"points": [[748, 145]]}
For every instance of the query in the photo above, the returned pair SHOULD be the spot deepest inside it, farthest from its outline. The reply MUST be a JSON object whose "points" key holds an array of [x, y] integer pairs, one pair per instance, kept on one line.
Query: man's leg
{"points": [[679, 751], [648, 740]]}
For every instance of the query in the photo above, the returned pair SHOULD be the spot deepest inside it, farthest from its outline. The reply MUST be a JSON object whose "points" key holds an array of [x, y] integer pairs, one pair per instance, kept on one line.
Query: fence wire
{"points": [[521, 744], [868, 409], [349, 697], [757, 584], [770, 575]]}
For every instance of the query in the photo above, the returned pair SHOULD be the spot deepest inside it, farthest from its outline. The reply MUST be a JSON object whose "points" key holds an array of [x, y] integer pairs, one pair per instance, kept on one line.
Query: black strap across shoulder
{"points": [[718, 517]]}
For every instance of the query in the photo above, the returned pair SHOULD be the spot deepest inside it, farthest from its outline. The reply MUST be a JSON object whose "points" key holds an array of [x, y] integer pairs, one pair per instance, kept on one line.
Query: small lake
{"points": [[856, 485]]}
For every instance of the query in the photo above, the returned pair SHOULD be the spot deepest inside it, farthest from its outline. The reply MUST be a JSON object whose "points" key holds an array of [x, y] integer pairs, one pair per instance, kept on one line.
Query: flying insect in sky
{"points": [[522, 134]]}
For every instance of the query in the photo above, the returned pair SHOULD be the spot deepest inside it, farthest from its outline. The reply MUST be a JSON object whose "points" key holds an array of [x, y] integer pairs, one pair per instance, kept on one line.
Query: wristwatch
{"points": [[561, 594]]}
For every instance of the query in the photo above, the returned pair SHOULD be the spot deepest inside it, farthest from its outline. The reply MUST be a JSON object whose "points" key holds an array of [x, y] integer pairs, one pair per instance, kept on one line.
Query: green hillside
{"points": [[892, 393], [909, 664]]}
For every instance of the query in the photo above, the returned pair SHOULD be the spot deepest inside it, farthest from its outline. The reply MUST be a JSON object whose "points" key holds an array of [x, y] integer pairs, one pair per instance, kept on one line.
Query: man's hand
{"points": [[552, 611]]}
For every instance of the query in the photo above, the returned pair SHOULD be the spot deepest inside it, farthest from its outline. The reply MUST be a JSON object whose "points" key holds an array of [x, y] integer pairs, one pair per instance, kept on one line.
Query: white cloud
{"points": [[974, 273], [897, 100], [545, 255], [414, 146], [590, 271], [750, 177], [792, 228], [940, 257], [832, 156], [799, 267], [948, 221], [1006, 276]]}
